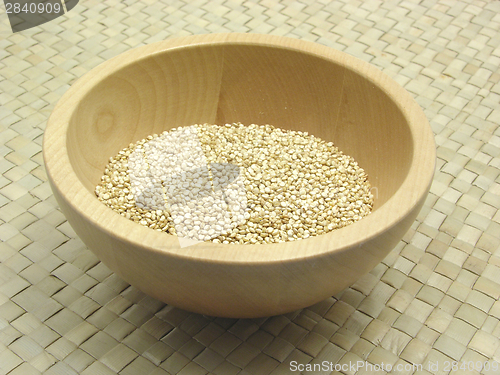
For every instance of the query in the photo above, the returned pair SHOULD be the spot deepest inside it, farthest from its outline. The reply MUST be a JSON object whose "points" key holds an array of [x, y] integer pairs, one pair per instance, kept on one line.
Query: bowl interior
{"points": [[238, 82]]}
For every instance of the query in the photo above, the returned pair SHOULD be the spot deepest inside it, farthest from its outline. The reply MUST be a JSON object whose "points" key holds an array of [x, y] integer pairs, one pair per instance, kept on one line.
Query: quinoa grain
{"points": [[294, 185]]}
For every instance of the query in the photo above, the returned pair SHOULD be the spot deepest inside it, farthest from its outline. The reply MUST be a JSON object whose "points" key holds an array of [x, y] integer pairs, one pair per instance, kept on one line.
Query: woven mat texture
{"points": [[434, 299]]}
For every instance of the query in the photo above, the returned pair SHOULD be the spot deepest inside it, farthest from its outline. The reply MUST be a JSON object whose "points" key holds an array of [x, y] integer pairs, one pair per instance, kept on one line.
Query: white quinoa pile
{"points": [[295, 185]]}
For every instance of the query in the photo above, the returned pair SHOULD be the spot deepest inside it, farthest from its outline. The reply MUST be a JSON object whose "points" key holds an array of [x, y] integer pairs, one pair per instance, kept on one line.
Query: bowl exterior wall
{"points": [[234, 290]]}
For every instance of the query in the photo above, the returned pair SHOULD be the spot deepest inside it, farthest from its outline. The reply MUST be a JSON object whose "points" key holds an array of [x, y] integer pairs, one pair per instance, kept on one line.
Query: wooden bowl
{"points": [[247, 78]]}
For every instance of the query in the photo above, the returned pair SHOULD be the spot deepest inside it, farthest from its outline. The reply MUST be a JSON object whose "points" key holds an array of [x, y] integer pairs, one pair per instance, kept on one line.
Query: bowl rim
{"points": [[407, 197]]}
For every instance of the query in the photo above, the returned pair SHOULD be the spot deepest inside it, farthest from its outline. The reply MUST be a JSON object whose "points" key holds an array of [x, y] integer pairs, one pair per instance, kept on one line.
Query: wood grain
{"points": [[250, 78]]}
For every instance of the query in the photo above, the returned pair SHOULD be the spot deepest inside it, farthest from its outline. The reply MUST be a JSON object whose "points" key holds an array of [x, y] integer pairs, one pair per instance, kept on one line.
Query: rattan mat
{"points": [[433, 301]]}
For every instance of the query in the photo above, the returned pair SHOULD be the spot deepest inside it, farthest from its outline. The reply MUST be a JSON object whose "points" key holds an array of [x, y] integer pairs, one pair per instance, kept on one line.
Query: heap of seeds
{"points": [[295, 185]]}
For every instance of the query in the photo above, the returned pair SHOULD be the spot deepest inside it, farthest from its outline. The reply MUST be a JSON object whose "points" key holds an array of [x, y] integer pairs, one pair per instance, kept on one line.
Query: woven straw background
{"points": [[434, 299]]}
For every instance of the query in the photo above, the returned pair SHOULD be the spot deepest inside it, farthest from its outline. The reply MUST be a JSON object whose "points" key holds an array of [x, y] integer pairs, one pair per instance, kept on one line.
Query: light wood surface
{"points": [[249, 78]]}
